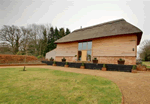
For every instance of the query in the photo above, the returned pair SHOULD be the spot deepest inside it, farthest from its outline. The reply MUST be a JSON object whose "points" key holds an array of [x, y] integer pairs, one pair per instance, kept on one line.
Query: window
{"points": [[84, 46], [79, 46], [89, 55], [89, 45]]}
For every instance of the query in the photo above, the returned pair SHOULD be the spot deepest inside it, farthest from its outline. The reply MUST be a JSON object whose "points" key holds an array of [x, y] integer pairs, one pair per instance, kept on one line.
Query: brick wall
{"points": [[68, 58], [129, 60]]}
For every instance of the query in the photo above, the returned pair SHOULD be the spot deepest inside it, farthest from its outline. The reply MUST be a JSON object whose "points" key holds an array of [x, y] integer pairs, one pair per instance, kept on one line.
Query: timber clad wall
{"points": [[68, 58], [107, 49], [67, 50], [115, 46], [50, 54]]}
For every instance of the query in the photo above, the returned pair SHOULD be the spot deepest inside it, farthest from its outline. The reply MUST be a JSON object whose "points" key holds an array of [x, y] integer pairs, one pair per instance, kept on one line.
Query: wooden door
{"points": [[84, 55]]}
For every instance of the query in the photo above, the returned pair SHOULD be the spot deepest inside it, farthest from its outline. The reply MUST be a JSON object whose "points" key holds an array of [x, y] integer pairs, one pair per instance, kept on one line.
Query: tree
{"points": [[5, 48], [56, 35], [67, 31], [145, 50], [39, 38], [51, 34], [44, 43], [11, 34], [61, 32], [26, 37]]}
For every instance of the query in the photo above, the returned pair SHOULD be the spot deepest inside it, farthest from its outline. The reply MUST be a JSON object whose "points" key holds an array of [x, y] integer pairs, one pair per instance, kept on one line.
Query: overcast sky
{"points": [[75, 13]]}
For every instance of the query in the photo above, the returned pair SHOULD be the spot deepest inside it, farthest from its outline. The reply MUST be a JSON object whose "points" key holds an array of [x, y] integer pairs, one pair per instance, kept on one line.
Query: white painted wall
{"points": [[51, 54]]}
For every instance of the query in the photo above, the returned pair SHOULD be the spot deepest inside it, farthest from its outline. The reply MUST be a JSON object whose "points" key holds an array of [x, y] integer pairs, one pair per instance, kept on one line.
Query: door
{"points": [[83, 56]]}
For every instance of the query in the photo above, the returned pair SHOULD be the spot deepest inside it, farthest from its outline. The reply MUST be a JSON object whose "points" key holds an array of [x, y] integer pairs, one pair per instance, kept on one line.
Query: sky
{"points": [[73, 14]]}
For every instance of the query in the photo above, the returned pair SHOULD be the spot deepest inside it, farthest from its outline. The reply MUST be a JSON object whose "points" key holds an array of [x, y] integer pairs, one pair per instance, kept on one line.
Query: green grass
{"points": [[148, 66], [146, 63], [45, 86]]}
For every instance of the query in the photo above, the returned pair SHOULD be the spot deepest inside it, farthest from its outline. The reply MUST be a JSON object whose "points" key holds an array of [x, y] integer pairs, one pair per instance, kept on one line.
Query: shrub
{"points": [[75, 56], [138, 62], [95, 58], [82, 64], [18, 53], [66, 63], [144, 65], [51, 58], [121, 59], [134, 67], [104, 65], [40, 56], [54, 62], [63, 58]]}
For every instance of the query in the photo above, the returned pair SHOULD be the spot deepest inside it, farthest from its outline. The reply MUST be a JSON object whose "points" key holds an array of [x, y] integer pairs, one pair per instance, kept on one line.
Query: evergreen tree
{"points": [[61, 32], [56, 34], [67, 31], [51, 34], [44, 43], [51, 40]]}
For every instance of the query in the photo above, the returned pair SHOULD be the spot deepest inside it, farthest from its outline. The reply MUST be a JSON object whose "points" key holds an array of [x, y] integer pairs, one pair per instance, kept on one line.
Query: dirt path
{"points": [[134, 86]]}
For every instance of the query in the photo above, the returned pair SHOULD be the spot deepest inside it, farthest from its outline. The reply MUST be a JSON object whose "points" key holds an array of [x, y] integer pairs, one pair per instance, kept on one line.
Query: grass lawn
{"points": [[148, 66], [45, 86], [146, 63]]}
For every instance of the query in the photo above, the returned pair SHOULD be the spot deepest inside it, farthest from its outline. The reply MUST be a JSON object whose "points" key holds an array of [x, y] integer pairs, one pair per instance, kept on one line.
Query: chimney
{"points": [[81, 27]]}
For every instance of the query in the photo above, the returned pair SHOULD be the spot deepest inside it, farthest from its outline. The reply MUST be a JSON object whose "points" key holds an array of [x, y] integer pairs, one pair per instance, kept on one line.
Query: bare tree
{"points": [[12, 34], [26, 37], [144, 51]]}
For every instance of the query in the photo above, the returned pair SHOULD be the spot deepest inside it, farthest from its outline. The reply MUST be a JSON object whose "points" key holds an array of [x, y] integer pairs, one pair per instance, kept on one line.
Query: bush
{"points": [[144, 65], [95, 58], [54, 62], [40, 56], [138, 62], [82, 64], [104, 65], [51, 58], [121, 59], [66, 63], [134, 67], [63, 58]]}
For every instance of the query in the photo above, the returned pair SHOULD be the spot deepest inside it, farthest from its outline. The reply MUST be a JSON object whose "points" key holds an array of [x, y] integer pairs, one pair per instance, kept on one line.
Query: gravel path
{"points": [[134, 86]]}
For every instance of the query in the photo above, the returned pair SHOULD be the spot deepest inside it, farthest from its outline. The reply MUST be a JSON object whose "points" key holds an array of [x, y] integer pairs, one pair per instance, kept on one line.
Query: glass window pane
{"points": [[89, 55], [84, 45], [79, 46], [89, 45]]}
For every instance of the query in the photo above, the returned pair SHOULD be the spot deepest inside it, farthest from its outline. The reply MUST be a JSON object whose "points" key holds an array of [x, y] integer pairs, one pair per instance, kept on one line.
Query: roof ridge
{"points": [[104, 23]]}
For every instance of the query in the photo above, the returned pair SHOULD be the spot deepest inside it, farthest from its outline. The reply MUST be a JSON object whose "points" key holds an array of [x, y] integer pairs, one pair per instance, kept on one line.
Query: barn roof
{"points": [[112, 28]]}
